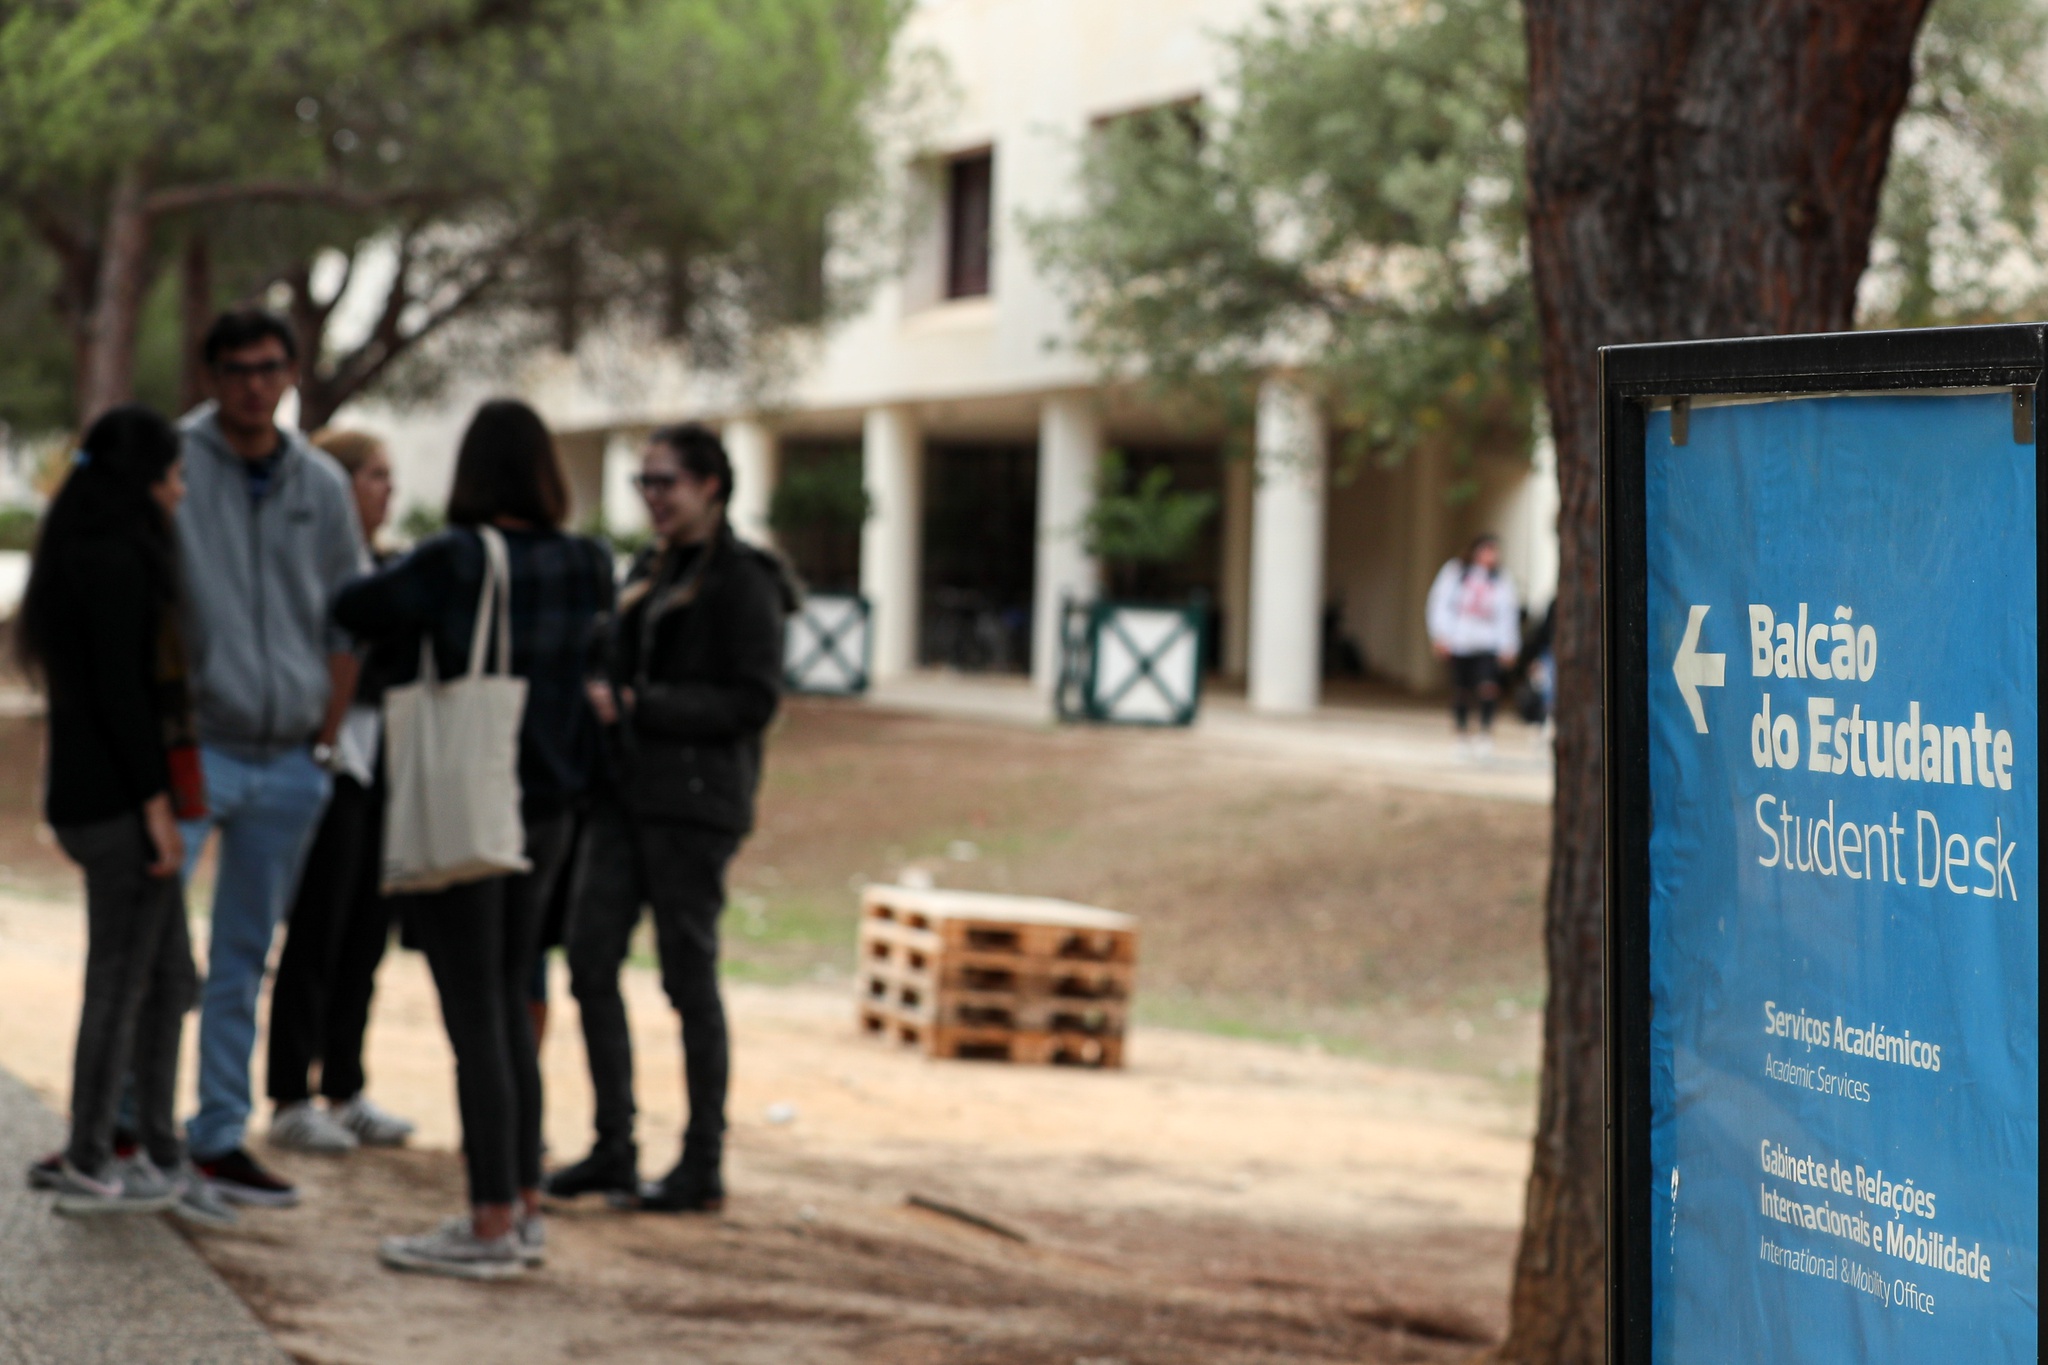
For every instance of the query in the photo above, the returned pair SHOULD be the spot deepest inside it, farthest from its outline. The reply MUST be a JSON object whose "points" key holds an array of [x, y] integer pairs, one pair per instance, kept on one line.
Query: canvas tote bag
{"points": [[451, 757]]}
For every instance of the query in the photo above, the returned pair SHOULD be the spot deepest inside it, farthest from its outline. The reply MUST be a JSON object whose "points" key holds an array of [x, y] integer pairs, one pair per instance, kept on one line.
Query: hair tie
{"points": [[80, 458]]}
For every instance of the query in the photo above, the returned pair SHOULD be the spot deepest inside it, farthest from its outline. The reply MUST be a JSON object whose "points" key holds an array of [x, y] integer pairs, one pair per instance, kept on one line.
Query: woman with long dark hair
{"points": [[692, 676], [100, 631], [481, 938]]}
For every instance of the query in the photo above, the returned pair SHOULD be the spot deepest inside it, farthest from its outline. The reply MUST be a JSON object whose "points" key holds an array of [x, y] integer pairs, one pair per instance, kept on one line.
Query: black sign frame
{"points": [[1632, 380]]}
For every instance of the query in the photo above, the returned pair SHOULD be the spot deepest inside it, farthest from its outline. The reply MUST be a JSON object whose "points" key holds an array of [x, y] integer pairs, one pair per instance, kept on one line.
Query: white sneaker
{"points": [[199, 1203], [373, 1127], [303, 1128], [455, 1249], [88, 1196], [141, 1179], [532, 1236]]}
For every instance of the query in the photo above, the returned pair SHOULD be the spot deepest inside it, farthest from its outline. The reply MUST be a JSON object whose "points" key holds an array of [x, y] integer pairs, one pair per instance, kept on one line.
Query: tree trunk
{"points": [[1697, 168], [107, 375], [195, 313]]}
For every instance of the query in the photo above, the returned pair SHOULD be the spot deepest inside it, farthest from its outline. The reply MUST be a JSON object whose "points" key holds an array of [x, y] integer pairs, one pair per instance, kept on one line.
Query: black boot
{"points": [[694, 1186], [610, 1170]]}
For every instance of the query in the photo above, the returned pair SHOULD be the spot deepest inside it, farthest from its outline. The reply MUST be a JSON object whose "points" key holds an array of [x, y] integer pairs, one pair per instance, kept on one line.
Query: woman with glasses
{"points": [[481, 937], [692, 676]]}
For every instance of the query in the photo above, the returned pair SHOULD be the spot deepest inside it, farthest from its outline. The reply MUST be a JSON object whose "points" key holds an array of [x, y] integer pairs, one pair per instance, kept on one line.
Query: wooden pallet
{"points": [[882, 954], [917, 1001], [1000, 927], [1031, 1047], [968, 974]]}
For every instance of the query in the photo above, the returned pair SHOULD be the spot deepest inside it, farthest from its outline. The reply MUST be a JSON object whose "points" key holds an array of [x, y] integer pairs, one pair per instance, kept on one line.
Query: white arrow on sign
{"points": [[1695, 670]]}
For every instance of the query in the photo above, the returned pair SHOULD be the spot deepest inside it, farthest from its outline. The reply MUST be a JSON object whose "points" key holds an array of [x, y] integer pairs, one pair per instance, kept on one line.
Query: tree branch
{"points": [[179, 198], [389, 339]]}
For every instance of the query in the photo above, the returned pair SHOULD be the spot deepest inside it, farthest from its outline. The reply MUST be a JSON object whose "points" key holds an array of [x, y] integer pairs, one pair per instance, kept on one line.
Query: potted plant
{"points": [[1128, 658], [817, 510]]}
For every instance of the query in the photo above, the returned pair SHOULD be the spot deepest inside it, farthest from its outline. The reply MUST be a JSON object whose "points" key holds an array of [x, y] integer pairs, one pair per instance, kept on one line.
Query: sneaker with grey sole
{"points": [[455, 1249], [532, 1236], [86, 1196], [142, 1178], [302, 1127], [372, 1126], [199, 1203]]}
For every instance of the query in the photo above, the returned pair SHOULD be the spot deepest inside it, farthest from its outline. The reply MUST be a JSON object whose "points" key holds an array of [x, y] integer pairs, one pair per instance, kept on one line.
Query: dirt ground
{"points": [[1341, 1181]]}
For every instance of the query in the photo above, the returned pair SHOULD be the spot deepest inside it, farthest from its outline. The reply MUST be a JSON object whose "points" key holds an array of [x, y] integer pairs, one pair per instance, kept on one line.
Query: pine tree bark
{"points": [[1697, 168], [107, 375], [195, 315]]}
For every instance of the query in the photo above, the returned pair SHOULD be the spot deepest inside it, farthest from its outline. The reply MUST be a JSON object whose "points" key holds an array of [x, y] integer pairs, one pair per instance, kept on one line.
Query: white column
{"points": [[1069, 452], [892, 468], [1287, 552], [623, 509], [751, 446]]}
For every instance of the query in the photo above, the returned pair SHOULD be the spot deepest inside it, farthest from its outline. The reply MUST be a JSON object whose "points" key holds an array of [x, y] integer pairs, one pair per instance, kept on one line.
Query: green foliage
{"points": [[553, 164], [1146, 522], [824, 494], [18, 528], [626, 543], [420, 521], [1357, 217], [35, 358], [1963, 231]]}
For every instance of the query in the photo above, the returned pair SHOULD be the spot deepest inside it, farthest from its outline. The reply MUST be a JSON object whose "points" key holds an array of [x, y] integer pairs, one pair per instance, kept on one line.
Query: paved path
{"points": [[1403, 746], [111, 1291]]}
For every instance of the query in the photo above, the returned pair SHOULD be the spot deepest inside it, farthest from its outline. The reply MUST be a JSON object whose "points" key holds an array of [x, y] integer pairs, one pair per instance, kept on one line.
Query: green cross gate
{"points": [[825, 645], [1130, 663]]}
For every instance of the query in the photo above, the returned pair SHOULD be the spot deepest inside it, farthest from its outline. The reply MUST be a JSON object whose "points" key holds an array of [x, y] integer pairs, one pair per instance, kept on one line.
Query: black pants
{"points": [[679, 869], [139, 981], [480, 940], [1475, 679], [338, 929]]}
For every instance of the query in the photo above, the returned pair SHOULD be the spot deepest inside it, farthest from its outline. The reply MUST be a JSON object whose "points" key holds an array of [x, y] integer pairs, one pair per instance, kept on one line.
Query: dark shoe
{"points": [[686, 1189], [610, 1171], [237, 1178], [47, 1173]]}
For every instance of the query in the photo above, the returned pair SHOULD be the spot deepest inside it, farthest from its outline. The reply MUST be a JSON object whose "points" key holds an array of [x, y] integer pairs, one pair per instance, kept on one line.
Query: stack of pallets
{"points": [[1000, 978]]}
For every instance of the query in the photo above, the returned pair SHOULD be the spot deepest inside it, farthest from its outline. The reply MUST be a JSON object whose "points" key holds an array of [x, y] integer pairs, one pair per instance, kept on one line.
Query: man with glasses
{"points": [[267, 533]]}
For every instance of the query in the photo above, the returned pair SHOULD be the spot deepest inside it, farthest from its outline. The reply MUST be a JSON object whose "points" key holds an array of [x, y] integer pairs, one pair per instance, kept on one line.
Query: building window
{"points": [[970, 202]]}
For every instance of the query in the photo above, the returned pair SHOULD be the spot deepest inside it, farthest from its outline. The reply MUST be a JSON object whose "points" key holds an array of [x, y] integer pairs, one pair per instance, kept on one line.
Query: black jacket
{"points": [[561, 586], [689, 750], [106, 735]]}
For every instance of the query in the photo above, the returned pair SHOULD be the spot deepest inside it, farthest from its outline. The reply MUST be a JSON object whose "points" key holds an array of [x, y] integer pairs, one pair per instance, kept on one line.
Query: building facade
{"points": [[978, 430]]}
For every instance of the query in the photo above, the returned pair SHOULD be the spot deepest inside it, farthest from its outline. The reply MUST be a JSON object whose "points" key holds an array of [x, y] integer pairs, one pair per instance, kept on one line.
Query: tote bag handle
{"points": [[497, 588]]}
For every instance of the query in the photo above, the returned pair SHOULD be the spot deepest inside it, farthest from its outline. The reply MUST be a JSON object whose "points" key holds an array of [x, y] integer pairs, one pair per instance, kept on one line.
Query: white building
{"points": [[978, 428]]}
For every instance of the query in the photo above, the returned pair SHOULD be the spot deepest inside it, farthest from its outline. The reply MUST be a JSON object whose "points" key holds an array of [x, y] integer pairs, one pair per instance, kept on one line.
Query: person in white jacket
{"points": [[1475, 623]]}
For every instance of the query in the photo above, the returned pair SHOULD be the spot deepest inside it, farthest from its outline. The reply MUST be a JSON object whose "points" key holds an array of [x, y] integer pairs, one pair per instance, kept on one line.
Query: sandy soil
{"points": [[1283, 1196], [1219, 1200]]}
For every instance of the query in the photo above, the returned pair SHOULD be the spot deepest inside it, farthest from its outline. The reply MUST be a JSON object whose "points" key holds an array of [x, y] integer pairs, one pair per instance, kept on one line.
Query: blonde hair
{"points": [[351, 449]]}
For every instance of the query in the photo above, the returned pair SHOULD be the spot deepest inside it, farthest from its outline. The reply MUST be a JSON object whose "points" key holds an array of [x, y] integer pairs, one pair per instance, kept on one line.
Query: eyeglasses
{"points": [[655, 483], [250, 369]]}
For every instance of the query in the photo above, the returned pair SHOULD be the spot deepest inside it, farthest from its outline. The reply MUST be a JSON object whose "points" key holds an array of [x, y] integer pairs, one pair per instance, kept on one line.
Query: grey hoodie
{"points": [[259, 576]]}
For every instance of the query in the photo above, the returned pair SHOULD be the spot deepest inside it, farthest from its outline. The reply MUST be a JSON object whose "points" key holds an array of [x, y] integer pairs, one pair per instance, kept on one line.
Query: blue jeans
{"points": [[266, 811]]}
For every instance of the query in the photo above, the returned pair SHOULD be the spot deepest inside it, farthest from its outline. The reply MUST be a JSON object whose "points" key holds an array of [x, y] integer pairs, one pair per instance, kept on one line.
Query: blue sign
{"points": [[1845, 877]]}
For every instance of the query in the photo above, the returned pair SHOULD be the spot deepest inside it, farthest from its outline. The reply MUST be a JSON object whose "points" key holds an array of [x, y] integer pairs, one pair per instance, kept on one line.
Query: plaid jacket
{"points": [[561, 587]]}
